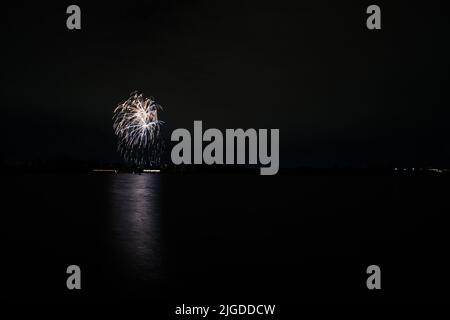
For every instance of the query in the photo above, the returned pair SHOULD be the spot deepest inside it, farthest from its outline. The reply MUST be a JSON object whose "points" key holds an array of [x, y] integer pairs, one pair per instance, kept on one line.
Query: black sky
{"points": [[339, 93]]}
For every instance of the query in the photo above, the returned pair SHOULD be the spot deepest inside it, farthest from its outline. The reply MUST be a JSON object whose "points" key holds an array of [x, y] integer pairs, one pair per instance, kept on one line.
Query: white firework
{"points": [[137, 127]]}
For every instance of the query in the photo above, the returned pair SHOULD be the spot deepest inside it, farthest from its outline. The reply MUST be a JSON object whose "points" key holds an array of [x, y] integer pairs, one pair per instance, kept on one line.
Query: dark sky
{"points": [[339, 93]]}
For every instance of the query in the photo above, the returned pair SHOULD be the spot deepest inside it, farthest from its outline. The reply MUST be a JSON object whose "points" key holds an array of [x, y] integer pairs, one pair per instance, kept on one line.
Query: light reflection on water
{"points": [[136, 222]]}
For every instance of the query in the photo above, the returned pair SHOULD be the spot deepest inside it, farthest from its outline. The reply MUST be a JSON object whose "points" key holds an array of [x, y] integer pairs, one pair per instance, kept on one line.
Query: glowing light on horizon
{"points": [[105, 170], [151, 170]]}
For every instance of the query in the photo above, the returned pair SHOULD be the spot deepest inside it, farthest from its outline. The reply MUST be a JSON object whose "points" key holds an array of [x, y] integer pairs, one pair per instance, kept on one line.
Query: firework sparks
{"points": [[137, 127]]}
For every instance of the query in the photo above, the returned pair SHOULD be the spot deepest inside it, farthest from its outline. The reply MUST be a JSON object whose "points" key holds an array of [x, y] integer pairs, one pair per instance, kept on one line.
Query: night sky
{"points": [[339, 93]]}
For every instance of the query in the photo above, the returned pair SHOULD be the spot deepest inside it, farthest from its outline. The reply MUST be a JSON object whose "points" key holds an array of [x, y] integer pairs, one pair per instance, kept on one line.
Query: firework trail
{"points": [[137, 127]]}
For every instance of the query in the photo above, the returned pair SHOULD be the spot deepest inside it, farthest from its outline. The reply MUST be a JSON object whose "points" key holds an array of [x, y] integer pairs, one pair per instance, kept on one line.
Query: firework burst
{"points": [[138, 128]]}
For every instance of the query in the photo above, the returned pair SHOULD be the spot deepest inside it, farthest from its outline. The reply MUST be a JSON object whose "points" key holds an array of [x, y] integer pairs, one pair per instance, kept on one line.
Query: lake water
{"points": [[209, 236]]}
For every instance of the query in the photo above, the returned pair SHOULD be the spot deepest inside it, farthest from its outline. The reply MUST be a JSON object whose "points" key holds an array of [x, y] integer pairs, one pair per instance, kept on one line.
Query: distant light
{"points": [[104, 170], [152, 170], [396, 169]]}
